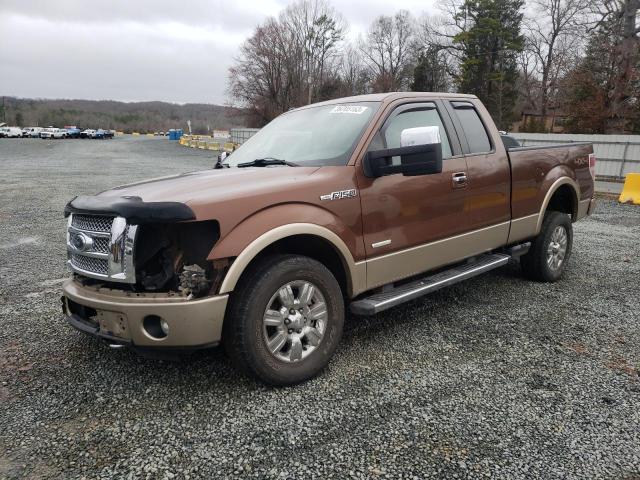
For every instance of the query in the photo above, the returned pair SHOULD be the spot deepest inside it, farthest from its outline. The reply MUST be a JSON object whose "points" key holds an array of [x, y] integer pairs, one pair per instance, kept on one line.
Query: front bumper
{"points": [[119, 317]]}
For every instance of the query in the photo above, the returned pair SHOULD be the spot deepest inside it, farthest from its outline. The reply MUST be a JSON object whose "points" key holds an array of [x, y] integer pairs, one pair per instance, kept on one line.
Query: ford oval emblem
{"points": [[79, 242]]}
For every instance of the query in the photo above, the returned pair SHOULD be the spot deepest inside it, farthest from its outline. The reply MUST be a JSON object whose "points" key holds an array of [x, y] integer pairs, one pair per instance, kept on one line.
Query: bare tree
{"points": [[529, 84], [436, 34], [259, 81], [287, 59], [354, 72], [387, 51], [317, 31], [552, 38], [620, 19]]}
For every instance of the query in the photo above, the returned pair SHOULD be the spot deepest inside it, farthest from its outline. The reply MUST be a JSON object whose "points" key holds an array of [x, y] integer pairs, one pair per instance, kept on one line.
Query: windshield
{"points": [[316, 136]]}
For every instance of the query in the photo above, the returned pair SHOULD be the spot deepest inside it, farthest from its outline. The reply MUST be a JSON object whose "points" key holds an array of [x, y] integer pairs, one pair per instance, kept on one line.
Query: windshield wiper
{"points": [[266, 162]]}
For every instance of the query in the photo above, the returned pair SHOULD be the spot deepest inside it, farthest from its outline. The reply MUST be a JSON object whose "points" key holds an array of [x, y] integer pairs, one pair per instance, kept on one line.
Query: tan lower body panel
{"points": [[523, 228], [584, 208], [412, 261], [191, 323]]}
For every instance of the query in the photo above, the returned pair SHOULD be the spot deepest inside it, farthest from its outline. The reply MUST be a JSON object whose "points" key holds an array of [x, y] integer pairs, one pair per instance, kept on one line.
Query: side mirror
{"points": [[420, 154]]}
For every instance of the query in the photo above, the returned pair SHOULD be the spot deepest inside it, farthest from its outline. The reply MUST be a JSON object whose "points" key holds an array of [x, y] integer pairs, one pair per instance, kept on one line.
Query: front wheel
{"points": [[547, 259], [285, 320]]}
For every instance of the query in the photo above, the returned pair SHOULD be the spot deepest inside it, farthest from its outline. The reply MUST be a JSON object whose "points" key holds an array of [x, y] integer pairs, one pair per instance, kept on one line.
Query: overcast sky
{"points": [[138, 50]]}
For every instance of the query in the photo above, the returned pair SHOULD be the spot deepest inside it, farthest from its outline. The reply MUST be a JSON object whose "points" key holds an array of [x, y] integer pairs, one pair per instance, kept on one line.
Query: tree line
{"points": [[124, 116], [578, 60]]}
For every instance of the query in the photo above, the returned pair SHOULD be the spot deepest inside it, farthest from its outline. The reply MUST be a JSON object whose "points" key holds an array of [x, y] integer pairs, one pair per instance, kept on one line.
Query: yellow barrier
{"points": [[135, 133], [119, 133], [150, 134], [204, 142], [631, 190]]}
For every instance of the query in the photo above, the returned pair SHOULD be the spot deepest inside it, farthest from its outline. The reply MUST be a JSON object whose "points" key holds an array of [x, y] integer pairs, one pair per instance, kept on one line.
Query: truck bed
{"points": [[534, 169]]}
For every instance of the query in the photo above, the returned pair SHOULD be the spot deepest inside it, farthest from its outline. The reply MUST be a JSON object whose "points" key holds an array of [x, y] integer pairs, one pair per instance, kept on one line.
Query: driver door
{"points": [[407, 218]]}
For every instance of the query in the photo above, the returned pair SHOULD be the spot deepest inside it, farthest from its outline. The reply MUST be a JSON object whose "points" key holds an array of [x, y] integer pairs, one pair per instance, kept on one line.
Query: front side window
{"points": [[423, 116], [316, 136]]}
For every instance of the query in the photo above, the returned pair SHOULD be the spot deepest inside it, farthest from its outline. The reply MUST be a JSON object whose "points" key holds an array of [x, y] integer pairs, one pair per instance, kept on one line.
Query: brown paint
{"points": [[409, 211]]}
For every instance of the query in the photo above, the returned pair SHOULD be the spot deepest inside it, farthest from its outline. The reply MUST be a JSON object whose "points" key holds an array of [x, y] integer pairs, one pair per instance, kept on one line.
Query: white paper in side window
{"points": [[357, 109], [419, 136]]}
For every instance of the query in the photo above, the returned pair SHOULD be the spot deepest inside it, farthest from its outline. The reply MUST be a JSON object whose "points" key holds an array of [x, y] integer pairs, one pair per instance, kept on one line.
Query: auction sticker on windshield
{"points": [[357, 109]]}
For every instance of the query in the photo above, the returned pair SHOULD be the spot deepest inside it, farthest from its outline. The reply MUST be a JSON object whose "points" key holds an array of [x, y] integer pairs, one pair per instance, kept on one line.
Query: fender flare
{"points": [[552, 189], [356, 272]]}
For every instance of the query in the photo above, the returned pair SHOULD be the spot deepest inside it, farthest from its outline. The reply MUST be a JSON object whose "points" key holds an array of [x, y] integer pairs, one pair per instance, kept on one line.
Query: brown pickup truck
{"points": [[364, 202]]}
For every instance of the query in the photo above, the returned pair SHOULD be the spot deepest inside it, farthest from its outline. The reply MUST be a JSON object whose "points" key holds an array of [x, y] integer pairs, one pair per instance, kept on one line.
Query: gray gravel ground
{"points": [[497, 377]]}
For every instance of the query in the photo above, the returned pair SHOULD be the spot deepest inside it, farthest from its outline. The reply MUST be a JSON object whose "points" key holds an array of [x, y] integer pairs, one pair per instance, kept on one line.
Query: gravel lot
{"points": [[497, 377]]}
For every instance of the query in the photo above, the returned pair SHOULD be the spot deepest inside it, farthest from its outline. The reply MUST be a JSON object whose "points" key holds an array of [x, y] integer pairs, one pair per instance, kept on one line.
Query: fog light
{"points": [[155, 326], [164, 326]]}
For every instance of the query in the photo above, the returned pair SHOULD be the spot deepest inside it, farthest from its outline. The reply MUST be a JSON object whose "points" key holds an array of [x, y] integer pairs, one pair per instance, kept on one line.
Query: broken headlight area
{"points": [[172, 257]]}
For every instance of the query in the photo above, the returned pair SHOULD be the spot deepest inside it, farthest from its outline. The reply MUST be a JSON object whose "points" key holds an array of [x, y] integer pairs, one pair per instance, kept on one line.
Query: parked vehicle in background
{"points": [[72, 131], [108, 134], [35, 133], [53, 133], [31, 132], [361, 203], [11, 132], [88, 133], [98, 134]]}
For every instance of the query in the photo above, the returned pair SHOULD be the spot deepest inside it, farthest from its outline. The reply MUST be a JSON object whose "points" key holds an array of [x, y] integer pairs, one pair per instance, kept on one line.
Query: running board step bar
{"points": [[379, 302]]}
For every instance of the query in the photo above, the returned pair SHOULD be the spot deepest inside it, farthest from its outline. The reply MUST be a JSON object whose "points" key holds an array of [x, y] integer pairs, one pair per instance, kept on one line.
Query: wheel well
{"points": [[309, 246], [564, 200]]}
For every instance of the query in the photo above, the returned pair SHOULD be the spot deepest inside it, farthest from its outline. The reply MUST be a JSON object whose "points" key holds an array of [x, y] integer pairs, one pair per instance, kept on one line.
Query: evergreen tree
{"points": [[430, 72], [489, 47]]}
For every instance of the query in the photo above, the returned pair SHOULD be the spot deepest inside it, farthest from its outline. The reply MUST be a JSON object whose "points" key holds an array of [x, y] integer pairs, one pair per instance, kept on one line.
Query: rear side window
{"points": [[473, 128]]}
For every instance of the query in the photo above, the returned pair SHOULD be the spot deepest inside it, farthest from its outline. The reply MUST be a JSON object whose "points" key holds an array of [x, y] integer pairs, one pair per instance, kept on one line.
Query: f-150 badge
{"points": [[351, 193]]}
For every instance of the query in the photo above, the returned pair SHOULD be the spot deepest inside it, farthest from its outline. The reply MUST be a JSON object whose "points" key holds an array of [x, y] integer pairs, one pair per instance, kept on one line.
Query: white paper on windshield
{"points": [[356, 109], [419, 136]]}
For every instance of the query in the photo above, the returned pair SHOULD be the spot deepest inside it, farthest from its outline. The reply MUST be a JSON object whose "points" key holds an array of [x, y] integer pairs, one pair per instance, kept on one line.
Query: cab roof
{"points": [[390, 97]]}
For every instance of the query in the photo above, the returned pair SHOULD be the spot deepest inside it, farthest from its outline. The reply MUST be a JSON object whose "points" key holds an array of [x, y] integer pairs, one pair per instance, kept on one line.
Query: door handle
{"points": [[459, 180]]}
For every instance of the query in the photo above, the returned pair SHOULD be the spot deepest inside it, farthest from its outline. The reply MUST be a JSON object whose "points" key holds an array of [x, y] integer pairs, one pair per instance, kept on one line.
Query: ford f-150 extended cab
{"points": [[361, 203]]}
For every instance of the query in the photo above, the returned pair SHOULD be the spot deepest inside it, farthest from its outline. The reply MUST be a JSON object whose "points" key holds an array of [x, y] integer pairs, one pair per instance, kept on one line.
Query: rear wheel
{"points": [[550, 250], [285, 319]]}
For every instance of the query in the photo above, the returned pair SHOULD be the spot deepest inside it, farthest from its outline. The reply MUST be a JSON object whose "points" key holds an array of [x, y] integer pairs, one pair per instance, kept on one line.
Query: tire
{"points": [[262, 345], [547, 258]]}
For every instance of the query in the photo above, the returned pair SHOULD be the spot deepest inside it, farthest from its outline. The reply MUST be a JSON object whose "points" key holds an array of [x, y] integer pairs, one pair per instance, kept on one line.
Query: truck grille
{"points": [[92, 223], [88, 264], [101, 247]]}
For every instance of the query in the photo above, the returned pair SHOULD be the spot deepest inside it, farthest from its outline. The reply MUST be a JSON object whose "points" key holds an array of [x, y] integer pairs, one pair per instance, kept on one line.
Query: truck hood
{"points": [[210, 186]]}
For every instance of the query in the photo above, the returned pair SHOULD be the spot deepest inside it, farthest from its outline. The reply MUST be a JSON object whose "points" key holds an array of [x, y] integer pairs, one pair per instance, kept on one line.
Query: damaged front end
{"points": [[173, 257], [138, 246]]}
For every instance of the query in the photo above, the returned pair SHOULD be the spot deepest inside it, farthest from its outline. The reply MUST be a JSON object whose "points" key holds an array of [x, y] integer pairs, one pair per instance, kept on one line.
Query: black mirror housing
{"points": [[414, 160]]}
